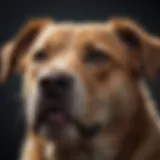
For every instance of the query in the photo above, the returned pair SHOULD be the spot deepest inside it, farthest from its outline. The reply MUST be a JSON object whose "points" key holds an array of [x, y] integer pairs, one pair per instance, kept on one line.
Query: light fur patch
{"points": [[42, 38]]}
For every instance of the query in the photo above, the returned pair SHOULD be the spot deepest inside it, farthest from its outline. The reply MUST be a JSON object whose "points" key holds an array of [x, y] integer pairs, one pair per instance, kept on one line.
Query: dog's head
{"points": [[81, 79]]}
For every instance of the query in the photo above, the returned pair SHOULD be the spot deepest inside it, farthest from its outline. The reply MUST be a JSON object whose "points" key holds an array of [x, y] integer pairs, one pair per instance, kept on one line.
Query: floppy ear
{"points": [[6, 51], [12, 51], [145, 45]]}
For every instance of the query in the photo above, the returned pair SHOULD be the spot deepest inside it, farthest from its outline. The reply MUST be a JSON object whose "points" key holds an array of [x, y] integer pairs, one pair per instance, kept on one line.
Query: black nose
{"points": [[56, 84]]}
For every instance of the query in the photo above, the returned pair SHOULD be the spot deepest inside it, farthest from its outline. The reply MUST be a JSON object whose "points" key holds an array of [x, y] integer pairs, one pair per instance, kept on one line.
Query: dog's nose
{"points": [[56, 84]]}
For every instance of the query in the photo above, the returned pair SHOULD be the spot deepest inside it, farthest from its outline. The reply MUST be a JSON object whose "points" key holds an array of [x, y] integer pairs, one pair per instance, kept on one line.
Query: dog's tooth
{"points": [[43, 131]]}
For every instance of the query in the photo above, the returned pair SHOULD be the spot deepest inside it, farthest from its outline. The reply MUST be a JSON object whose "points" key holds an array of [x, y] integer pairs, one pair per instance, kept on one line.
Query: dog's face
{"points": [[79, 80]]}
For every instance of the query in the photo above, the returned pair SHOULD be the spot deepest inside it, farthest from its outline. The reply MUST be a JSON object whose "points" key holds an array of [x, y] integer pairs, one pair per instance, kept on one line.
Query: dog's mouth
{"points": [[53, 122]]}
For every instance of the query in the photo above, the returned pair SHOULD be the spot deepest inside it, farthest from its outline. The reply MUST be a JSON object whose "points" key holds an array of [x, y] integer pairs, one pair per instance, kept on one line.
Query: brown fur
{"points": [[130, 130]]}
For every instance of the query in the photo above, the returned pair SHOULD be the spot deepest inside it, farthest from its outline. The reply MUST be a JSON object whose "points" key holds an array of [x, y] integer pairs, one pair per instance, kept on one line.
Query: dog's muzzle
{"points": [[53, 113]]}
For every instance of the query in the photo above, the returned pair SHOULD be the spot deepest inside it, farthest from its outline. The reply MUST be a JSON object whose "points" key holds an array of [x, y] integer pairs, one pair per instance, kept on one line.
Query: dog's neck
{"points": [[143, 137], [137, 142]]}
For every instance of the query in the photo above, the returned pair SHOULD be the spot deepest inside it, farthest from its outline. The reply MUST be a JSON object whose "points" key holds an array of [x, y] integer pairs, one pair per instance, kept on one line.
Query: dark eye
{"points": [[40, 56], [95, 57]]}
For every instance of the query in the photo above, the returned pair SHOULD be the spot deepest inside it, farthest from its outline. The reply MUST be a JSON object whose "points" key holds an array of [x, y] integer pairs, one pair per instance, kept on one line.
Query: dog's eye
{"points": [[95, 57], [40, 56]]}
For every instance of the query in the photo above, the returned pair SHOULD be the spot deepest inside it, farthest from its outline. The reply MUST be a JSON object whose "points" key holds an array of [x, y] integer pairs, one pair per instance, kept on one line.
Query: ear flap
{"points": [[145, 45], [12, 51], [6, 51]]}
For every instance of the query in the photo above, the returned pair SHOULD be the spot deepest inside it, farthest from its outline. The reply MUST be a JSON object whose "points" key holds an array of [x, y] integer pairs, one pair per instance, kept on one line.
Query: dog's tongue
{"points": [[56, 122], [58, 118]]}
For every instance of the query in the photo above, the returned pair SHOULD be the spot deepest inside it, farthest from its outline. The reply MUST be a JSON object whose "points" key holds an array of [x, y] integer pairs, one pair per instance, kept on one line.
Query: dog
{"points": [[83, 88]]}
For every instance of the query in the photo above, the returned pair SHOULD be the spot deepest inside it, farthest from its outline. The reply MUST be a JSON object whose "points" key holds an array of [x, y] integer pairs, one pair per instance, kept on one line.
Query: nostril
{"points": [[45, 83], [64, 82]]}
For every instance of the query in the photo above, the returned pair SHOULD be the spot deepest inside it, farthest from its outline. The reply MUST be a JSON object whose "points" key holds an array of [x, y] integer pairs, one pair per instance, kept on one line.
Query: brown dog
{"points": [[83, 89]]}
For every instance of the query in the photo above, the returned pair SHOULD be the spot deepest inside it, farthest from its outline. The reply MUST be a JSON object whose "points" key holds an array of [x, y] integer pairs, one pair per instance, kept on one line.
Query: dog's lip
{"points": [[54, 114], [51, 123], [55, 119], [59, 118]]}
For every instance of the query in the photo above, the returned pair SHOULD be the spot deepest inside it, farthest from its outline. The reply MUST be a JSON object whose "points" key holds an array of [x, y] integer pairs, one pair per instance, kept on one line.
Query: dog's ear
{"points": [[5, 52], [13, 51], [139, 41]]}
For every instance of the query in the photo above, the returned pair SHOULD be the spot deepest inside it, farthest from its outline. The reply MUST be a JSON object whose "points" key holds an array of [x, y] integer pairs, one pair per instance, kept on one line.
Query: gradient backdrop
{"points": [[14, 13]]}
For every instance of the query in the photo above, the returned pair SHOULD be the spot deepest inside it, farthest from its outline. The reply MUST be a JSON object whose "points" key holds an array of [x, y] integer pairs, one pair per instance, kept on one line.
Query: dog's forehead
{"points": [[78, 35], [81, 28], [82, 33]]}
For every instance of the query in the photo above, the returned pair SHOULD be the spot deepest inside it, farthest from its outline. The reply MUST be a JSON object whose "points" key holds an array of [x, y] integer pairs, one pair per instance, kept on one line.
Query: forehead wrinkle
{"points": [[61, 36], [42, 38], [116, 48], [72, 40], [89, 31], [103, 38], [64, 57]]}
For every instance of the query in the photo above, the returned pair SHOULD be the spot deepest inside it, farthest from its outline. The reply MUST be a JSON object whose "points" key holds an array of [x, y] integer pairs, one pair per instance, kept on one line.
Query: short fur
{"points": [[111, 93]]}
